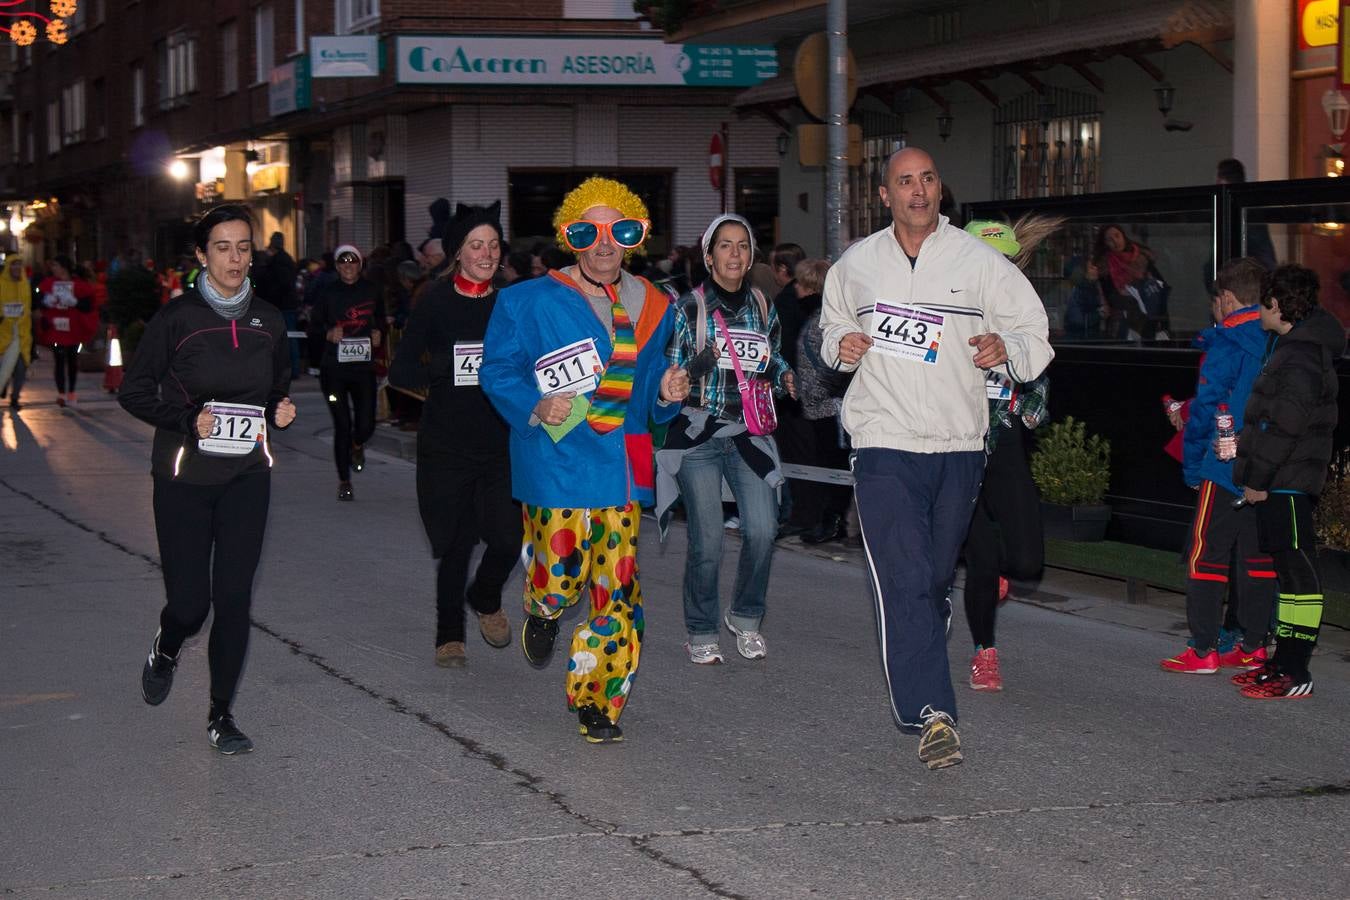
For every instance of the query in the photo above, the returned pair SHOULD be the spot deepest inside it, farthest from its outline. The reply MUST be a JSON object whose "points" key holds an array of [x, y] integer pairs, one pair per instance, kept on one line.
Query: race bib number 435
{"points": [[240, 427], [576, 367], [907, 332], [752, 349]]}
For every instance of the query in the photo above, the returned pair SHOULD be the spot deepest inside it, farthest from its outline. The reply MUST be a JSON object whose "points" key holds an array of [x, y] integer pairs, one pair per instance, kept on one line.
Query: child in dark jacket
{"points": [[1283, 453], [1222, 534]]}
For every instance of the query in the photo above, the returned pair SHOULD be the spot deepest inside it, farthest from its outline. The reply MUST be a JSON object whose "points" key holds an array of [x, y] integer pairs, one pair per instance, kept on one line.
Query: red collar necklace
{"points": [[472, 288]]}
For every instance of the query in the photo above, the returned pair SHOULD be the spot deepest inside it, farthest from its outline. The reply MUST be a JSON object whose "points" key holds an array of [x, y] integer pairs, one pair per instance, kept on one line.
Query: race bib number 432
{"points": [[468, 360], [239, 428], [907, 332], [576, 367]]}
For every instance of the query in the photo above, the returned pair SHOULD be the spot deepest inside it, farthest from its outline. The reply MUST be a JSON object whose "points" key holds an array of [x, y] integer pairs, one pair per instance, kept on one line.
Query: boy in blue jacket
{"points": [[575, 363], [1223, 538]]}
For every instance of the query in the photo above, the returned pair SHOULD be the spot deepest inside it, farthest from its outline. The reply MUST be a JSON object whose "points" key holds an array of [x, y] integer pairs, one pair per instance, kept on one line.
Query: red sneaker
{"points": [[1243, 679], [984, 674], [1237, 658], [1190, 663], [1279, 687], [1002, 589]]}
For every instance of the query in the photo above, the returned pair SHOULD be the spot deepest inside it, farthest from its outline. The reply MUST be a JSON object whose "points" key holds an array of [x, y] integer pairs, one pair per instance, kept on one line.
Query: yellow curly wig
{"points": [[596, 191]]}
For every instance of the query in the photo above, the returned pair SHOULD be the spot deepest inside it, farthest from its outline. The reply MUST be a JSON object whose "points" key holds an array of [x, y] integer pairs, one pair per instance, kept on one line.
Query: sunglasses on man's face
{"points": [[583, 234]]}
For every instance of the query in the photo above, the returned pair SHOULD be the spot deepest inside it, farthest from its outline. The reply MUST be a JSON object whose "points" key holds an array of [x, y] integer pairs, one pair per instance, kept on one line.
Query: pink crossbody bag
{"points": [[756, 393]]}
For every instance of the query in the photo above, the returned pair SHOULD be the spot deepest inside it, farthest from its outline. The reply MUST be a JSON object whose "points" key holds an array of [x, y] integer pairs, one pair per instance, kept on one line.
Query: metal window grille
{"points": [[1047, 145], [883, 134]]}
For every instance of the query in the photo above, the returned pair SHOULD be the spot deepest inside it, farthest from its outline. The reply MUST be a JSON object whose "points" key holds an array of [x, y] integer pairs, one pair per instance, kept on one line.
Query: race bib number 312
{"points": [[239, 428], [907, 332]]}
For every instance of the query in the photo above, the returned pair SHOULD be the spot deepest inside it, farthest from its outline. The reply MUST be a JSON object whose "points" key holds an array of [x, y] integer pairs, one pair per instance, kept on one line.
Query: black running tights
{"points": [[65, 362], [348, 393], [210, 538], [1005, 532]]}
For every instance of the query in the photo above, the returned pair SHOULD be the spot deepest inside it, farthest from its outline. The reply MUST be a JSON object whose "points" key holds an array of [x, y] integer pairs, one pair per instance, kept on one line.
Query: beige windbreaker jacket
{"points": [[916, 388]]}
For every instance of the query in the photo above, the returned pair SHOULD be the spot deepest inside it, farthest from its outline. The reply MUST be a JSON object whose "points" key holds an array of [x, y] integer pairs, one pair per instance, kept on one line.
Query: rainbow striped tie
{"points": [[610, 400]]}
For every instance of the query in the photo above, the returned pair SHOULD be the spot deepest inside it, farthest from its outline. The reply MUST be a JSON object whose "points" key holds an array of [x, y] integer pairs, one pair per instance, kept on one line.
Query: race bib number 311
{"points": [[575, 367], [907, 332], [240, 427]]}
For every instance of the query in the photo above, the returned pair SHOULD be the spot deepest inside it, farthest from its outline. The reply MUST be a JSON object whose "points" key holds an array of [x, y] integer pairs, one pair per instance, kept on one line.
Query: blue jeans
{"points": [[914, 510], [700, 478]]}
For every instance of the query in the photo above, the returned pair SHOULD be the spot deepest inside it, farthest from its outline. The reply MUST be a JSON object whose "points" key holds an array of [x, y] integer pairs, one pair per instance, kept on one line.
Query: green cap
{"points": [[998, 235]]}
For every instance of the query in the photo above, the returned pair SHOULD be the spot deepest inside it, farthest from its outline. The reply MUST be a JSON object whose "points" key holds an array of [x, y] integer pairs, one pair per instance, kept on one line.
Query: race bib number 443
{"points": [[907, 332], [468, 360], [239, 428], [576, 367]]}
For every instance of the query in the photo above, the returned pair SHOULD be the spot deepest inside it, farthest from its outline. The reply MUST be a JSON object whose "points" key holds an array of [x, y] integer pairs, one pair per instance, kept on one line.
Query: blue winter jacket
{"points": [[1233, 353], [585, 469]]}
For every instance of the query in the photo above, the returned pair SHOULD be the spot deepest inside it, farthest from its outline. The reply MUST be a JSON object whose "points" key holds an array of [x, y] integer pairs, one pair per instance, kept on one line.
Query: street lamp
{"points": [[178, 169], [1165, 94], [944, 125], [782, 142]]}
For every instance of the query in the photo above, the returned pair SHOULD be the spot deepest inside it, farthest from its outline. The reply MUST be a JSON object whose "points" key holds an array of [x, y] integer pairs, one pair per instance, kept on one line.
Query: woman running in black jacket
{"points": [[211, 374]]}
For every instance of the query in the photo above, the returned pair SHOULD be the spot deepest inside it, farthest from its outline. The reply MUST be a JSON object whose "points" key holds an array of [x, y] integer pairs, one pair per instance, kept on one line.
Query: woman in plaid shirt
{"points": [[709, 441]]}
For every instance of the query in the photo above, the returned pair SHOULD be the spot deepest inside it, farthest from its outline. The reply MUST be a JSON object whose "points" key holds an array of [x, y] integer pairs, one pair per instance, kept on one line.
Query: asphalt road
{"points": [[379, 775]]}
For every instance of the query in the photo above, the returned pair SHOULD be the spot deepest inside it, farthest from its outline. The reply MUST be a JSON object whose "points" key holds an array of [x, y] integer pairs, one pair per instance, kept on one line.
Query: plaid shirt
{"points": [[717, 392]]}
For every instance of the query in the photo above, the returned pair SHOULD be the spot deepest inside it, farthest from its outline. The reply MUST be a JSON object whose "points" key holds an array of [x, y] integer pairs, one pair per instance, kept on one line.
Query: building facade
{"points": [[341, 121]]}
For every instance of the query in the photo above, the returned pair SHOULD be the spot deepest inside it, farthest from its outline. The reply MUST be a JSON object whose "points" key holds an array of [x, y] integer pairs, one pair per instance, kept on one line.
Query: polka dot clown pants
{"points": [[565, 551]]}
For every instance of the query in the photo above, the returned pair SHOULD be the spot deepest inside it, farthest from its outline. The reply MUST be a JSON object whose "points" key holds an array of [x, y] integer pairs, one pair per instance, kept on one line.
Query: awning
{"points": [[1150, 27]]}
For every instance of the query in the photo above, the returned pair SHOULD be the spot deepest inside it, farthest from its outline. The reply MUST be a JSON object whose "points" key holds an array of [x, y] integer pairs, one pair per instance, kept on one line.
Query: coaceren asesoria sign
{"points": [[588, 62]]}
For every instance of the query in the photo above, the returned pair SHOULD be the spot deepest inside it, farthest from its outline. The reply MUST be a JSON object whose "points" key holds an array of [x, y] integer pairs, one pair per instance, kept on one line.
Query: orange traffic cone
{"points": [[112, 371]]}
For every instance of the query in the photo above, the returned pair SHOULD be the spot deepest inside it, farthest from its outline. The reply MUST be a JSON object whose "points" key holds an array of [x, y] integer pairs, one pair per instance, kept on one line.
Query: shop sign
{"points": [[288, 87], [1317, 30], [580, 62], [346, 56]]}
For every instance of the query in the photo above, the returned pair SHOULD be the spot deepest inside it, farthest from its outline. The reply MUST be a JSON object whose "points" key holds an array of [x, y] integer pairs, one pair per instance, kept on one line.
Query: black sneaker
{"points": [[157, 675], [226, 737], [358, 458], [596, 728], [536, 639]]}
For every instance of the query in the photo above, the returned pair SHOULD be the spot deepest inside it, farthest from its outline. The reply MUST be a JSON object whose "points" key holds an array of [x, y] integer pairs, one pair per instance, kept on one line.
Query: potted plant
{"points": [[1072, 470]]}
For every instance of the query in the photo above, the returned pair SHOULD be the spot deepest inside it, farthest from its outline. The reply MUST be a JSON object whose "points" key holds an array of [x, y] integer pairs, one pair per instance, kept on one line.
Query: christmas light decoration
{"points": [[22, 33], [56, 31], [63, 8]]}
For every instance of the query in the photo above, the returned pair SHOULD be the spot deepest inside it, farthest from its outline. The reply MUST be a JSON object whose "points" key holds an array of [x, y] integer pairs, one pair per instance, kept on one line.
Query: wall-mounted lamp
{"points": [[782, 142], [1337, 108], [1165, 94], [944, 125]]}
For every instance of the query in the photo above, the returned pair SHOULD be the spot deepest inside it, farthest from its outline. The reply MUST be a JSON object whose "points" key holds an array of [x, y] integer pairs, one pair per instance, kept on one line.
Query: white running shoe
{"points": [[708, 654], [749, 644]]}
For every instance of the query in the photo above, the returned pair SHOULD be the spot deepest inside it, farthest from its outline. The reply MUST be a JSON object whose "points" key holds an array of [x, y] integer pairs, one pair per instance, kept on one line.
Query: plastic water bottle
{"points": [[1170, 405], [1225, 443]]}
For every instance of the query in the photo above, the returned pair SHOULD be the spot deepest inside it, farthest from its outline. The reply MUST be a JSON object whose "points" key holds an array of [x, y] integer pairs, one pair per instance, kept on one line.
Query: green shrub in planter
{"points": [[1070, 468]]}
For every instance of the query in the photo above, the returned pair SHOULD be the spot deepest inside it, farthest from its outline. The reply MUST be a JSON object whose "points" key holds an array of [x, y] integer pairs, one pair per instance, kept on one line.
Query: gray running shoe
{"points": [[226, 737]]}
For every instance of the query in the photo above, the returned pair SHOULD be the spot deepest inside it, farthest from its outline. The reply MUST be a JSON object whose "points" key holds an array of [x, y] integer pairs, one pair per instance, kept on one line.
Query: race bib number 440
{"points": [[752, 349], [468, 360], [907, 332], [576, 367], [239, 428], [352, 350]]}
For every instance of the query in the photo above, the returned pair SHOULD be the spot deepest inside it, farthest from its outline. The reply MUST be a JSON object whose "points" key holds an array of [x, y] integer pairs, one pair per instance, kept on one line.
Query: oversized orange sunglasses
{"points": [[583, 234]]}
